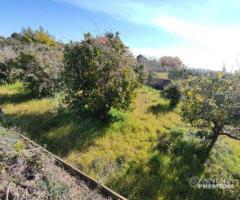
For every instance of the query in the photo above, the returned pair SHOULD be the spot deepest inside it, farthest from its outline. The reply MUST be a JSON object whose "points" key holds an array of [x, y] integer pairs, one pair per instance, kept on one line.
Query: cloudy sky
{"points": [[204, 34]]}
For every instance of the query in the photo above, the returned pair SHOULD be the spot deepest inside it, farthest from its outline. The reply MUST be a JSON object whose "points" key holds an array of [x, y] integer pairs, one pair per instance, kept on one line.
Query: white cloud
{"points": [[205, 35], [204, 44], [207, 46]]}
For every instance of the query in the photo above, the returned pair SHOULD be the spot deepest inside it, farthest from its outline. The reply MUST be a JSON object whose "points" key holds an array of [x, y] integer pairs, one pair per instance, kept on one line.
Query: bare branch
{"points": [[231, 135]]}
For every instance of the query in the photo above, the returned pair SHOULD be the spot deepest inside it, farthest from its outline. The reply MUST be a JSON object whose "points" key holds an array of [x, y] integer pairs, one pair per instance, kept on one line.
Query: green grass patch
{"points": [[160, 75], [147, 152]]}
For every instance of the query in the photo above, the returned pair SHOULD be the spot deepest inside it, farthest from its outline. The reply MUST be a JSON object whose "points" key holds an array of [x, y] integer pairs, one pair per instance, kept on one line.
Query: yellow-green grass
{"points": [[160, 75], [133, 134], [124, 152]]}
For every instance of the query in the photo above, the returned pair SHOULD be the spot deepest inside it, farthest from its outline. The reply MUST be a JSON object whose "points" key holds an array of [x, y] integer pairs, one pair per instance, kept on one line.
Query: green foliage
{"points": [[166, 174], [35, 36], [19, 146], [8, 72], [212, 102], [179, 74], [172, 93], [183, 73], [4, 73], [37, 74], [141, 73], [37, 43], [143, 153], [98, 74]]}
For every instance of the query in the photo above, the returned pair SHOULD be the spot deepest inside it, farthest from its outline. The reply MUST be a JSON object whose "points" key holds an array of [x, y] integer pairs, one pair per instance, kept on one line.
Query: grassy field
{"points": [[145, 153]]}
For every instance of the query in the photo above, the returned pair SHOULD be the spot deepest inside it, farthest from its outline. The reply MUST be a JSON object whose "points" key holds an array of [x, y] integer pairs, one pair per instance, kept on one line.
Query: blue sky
{"points": [[202, 33]]}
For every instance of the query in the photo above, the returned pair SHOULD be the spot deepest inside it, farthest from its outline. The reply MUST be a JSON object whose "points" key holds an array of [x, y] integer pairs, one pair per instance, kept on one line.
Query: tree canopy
{"points": [[169, 61], [213, 103], [40, 35], [99, 74]]}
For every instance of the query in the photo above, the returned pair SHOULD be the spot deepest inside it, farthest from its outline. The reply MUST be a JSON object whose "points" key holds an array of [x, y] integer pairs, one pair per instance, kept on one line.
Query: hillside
{"points": [[147, 152]]}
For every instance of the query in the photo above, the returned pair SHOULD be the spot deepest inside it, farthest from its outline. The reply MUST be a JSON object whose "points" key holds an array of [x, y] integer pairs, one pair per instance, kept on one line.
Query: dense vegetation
{"points": [[98, 74], [172, 93], [159, 147], [213, 104], [31, 57]]}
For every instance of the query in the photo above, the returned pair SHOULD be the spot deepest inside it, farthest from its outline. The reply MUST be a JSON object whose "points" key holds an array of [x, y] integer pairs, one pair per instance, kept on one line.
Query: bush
{"points": [[141, 73], [98, 74], [38, 76], [172, 93], [38, 43], [7, 72], [35, 36], [4, 72], [179, 74]]}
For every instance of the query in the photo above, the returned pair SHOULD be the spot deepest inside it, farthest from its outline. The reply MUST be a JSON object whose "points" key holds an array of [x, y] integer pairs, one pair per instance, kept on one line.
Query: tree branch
{"points": [[231, 135]]}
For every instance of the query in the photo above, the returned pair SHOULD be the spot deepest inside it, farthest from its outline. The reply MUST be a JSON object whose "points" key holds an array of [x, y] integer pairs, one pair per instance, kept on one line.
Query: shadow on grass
{"points": [[160, 108], [62, 132], [167, 173], [14, 98]]}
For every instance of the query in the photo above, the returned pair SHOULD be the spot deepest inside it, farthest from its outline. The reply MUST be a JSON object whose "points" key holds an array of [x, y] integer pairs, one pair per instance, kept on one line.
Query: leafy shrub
{"points": [[179, 74], [141, 73], [4, 72], [33, 42], [37, 74], [8, 72], [172, 93], [35, 36], [36, 79], [98, 74]]}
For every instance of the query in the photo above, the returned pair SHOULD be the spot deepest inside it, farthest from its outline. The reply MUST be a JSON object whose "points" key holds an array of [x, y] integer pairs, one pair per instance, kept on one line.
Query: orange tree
{"points": [[213, 103], [99, 75]]}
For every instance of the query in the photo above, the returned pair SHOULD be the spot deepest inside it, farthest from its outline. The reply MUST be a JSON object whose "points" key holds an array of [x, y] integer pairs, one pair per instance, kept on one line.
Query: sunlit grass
{"points": [[160, 75], [134, 137], [123, 152]]}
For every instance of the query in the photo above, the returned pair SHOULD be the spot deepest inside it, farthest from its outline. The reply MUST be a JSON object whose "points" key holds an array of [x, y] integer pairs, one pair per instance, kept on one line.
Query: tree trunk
{"points": [[213, 141], [214, 137]]}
